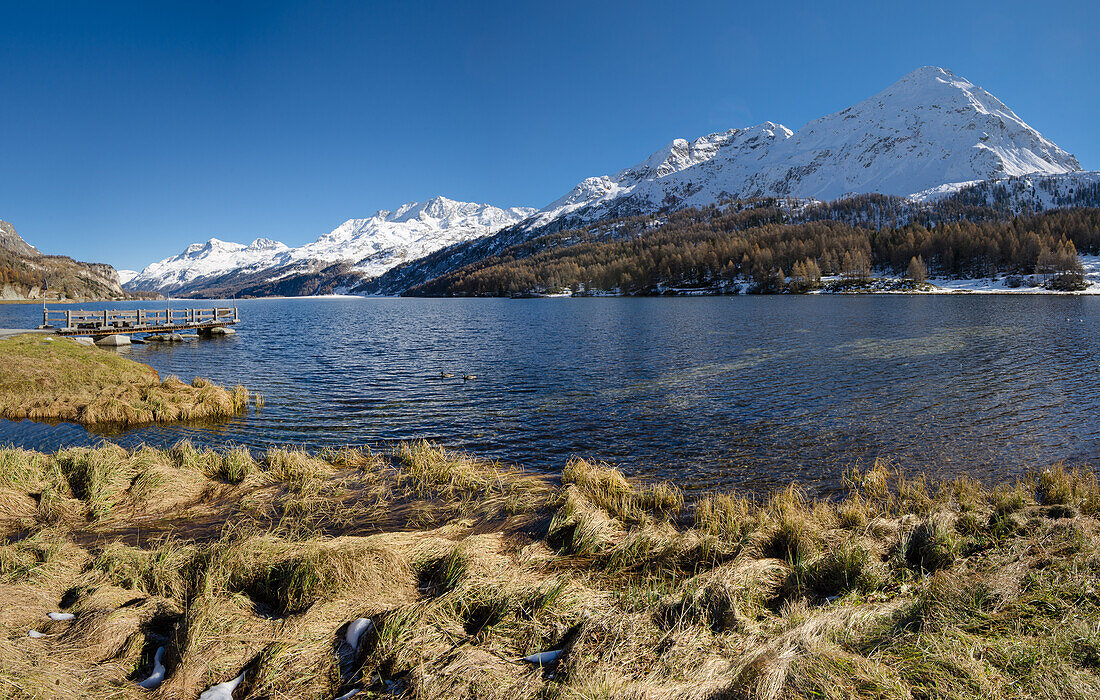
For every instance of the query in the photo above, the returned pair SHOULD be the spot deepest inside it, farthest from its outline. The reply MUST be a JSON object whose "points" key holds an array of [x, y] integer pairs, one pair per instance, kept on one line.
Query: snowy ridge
{"points": [[682, 173], [370, 246], [202, 260], [387, 239]]}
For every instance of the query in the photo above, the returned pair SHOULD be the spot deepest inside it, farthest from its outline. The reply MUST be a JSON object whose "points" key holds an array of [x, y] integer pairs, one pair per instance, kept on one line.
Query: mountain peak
{"points": [[926, 74], [10, 240], [265, 244]]}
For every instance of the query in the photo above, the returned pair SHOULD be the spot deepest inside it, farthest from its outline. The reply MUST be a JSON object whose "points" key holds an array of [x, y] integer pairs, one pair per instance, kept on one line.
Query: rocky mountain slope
{"points": [[355, 250], [929, 135], [24, 270], [14, 243]]}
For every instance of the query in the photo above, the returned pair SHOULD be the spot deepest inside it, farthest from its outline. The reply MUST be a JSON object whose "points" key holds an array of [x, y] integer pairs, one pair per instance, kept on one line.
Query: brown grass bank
{"points": [[261, 569], [49, 379]]}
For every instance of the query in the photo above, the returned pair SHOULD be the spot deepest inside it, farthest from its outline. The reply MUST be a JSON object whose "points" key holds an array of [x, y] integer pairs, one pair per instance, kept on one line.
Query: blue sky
{"points": [[133, 129]]}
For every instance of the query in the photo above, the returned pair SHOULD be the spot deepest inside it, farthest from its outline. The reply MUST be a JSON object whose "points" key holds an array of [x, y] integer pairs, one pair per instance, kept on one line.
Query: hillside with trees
{"points": [[718, 248]]}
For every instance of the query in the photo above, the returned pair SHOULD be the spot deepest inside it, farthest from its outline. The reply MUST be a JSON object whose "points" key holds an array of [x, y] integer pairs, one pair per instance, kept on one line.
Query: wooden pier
{"points": [[152, 321]]}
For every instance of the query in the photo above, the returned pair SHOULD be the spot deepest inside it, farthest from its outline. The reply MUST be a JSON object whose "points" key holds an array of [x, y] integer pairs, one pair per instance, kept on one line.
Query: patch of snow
{"points": [[35, 634], [940, 191], [355, 631], [222, 691], [999, 284], [125, 276], [157, 676], [61, 617]]}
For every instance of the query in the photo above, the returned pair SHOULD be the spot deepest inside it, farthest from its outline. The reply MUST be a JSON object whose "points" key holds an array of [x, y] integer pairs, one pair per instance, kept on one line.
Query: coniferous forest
{"points": [[769, 246]]}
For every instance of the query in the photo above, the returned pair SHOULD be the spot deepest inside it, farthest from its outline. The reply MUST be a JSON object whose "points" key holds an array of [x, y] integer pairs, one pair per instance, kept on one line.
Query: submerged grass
{"points": [[262, 565], [51, 379]]}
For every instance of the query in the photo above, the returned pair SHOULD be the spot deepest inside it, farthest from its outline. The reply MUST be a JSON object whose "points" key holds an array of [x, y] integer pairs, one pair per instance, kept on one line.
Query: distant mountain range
{"points": [[356, 250], [25, 272], [929, 135]]}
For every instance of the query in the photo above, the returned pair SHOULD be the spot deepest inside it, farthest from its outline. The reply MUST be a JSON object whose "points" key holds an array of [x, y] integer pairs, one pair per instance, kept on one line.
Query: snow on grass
{"points": [[1000, 283], [222, 691], [355, 631], [35, 634], [61, 617], [157, 676]]}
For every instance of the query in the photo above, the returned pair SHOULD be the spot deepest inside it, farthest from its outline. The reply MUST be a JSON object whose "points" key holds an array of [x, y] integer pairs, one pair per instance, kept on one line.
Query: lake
{"points": [[712, 392]]}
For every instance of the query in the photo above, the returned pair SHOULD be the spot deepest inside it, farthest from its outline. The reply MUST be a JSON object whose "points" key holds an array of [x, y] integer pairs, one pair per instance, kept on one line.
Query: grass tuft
{"points": [[60, 380]]}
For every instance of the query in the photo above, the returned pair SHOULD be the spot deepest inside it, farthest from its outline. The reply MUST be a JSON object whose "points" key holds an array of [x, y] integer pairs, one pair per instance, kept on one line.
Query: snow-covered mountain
{"points": [[930, 128], [928, 135], [204, 260], [367, 247], [412, 231]]}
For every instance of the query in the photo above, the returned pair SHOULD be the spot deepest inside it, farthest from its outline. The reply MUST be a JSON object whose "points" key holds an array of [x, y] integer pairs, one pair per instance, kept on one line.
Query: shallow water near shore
{"points": [[710, 393]]}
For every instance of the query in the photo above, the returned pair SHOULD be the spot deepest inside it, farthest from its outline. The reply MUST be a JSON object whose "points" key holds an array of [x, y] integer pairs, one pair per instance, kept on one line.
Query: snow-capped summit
{"points": [[929, 128], [203, 260], [369, 246], [926, 129], [265, 244], [413, 230]]}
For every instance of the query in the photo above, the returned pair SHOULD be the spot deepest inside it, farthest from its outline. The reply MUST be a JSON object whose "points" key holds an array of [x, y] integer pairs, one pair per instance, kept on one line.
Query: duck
{"points": [[446, 375], [468, 377]]}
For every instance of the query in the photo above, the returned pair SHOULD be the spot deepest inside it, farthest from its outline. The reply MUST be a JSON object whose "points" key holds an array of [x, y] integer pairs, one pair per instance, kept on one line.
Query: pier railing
{"points": [[106, 322]]}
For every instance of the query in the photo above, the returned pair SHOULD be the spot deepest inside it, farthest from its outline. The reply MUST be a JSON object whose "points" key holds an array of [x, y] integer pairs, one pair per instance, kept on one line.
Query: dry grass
{"points": [[236, 563], [49, 379]]}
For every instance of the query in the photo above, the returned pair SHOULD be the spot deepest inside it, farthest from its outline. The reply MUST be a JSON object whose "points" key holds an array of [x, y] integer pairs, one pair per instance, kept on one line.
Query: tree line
{"points": [[765, 243]]}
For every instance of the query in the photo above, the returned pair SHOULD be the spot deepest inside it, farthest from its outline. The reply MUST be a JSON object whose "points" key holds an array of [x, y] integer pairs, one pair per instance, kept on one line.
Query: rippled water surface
{"points": [[710, 392]]}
